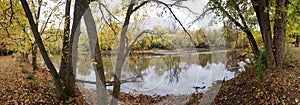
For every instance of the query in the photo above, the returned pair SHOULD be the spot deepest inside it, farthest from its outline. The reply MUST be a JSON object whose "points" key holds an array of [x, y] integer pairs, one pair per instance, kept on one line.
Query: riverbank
{"points": [[279, 86], [19, 84]]}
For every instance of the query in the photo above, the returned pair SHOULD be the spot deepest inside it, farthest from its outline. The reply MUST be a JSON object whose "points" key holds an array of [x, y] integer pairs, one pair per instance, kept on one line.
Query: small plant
{"points": [[30, 76], [34, 85], [260, 64]]}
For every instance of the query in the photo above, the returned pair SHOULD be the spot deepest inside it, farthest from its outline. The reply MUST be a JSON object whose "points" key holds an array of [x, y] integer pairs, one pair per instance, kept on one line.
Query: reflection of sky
{"points": [[190, 75]]}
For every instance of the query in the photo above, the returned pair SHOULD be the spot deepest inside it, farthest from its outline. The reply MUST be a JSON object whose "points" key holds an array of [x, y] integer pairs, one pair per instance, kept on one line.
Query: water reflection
{"points": [[163, 74]]}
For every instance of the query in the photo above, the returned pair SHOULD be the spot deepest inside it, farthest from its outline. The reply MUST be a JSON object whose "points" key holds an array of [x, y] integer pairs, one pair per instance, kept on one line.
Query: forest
{"points": [[131, 52]]}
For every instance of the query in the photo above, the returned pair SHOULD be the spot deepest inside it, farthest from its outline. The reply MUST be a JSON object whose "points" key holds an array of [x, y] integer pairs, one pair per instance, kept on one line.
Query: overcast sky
{"points": [[153, 19]]}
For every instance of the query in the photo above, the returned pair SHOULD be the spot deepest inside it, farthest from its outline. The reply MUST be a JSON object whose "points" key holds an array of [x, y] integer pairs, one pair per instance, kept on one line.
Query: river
{"points": [[164, 73]]}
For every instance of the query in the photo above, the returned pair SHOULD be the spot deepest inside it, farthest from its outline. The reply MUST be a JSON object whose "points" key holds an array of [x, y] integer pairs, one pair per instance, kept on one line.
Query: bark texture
{"points": [[96, 56], [280, 31], [263, 18], [121, 55], [57, 82]]}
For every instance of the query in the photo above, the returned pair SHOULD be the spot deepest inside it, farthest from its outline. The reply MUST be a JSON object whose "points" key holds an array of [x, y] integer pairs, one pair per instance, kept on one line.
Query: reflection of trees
{"points": [[108, 68], [203, 59], [84, 69], [172, 64], [137, 63], [83, 64]]}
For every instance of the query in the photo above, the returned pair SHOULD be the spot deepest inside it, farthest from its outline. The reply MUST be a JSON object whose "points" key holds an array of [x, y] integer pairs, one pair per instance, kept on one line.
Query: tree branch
{"points": [[138, 36], [51, 13]]}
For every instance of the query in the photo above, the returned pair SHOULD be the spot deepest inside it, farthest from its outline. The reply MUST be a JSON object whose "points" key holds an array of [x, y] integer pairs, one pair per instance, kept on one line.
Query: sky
{"points": [[152, 19]]}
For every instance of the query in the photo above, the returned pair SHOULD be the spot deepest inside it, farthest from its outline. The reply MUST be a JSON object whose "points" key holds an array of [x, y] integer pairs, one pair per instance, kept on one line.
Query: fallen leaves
{"points": [[279, 86], [20, 85]]}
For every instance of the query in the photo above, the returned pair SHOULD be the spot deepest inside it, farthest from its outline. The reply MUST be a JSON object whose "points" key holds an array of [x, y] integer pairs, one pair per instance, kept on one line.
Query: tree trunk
{"points": [[75, 49], [63, 63], [34, 47], [280, 31], [121, 55], [57, 82], [297, 41], [96, 57], [244, 27], [252, 42], [34, 56], [70, 81], [65, 72], [263, 18]]}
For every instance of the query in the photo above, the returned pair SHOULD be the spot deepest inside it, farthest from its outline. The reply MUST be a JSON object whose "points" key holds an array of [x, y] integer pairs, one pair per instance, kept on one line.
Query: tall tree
{"points": [[34, 47], [262, 10], [95, 55], [124, 47], [280, 31], [237, 11], [121, 55], [66, 72], [64, 83], [57, 81], [263, 17]]}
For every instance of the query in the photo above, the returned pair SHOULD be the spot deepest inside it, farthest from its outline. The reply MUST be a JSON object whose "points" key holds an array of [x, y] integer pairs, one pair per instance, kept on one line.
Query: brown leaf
{"points": [[276, 89]]}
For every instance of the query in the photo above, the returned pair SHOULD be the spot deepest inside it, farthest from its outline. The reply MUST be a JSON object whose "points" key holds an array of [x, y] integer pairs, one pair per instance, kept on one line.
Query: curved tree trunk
{"points": [[96, 56]]}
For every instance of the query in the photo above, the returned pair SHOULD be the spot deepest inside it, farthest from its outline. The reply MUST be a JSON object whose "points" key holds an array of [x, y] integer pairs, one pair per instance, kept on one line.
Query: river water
{"points": [[164, 73]]}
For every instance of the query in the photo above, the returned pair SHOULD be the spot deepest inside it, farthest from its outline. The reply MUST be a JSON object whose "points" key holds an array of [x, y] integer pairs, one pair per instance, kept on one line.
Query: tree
{"points": [[96, 56], [261, 7], [57, 82], [240, 11], [293, 26], [280, 31], [64, 84], [237, 11], [124, 50]]}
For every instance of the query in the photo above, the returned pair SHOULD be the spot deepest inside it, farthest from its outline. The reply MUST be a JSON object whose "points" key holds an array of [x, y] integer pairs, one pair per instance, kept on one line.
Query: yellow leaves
{"points": [[95, 63], [296, 100]]}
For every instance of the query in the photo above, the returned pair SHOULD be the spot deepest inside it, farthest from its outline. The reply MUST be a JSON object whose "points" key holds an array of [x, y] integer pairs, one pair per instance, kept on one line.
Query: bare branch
{"points": [[184, 7], [51, 13], [189, 35], [201, 16], [139, 6], [12, 12], [138, 36], [242, 17], [109, 24], [108, 11]]}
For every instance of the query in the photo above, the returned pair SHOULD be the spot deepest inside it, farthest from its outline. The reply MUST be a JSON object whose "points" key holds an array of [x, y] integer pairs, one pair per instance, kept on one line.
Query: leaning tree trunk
{"points": [[96, 56], [252, 42], [280, 31], [263, 18]]}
